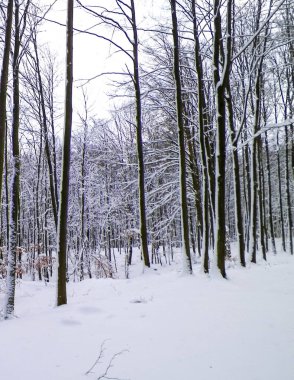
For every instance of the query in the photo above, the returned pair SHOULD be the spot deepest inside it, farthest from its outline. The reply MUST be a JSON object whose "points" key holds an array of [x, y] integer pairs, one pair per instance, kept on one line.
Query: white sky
{"points": [[92, 55]]}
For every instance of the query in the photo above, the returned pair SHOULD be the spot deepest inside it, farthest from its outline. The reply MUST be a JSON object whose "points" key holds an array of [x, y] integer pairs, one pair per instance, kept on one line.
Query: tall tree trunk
{"points": [[3, 88], [37, 205], [262, 226], [140, 154], [64, 187], [237, 184], [247, 188], [14, 206], [202, 121], [290, 222], [46, 137], [221, 82], [270, 196], [83, 201], [254, 189], [187, 264], [280, 195], [194, 169], [6, 188], [259, 51]]}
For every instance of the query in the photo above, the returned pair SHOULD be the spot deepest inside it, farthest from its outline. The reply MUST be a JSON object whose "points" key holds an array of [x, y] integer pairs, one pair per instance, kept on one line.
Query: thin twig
{"points": [[100, 356]]}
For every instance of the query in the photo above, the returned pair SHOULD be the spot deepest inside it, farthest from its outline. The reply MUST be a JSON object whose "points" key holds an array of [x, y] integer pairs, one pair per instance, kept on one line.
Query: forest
{"points": [[197, 153]]}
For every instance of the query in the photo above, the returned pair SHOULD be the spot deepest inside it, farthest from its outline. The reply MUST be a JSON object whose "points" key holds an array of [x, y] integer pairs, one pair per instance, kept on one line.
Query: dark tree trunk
{"points": [[83, 201], [254, 189], [194, 173], [203, 121], [290, 223], [237, 184], [14, 206], [270, 200], [64, 187], [281, 208], [46, 137], [3, 88], [256, 193], [187, 264], [220, 84], [6, 189], [262, 226], [37, 205], [140, 154]]}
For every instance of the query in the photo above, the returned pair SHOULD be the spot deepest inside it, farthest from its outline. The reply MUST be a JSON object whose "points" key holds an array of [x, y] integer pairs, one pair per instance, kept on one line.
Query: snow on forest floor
{"points": [[164, 326]]}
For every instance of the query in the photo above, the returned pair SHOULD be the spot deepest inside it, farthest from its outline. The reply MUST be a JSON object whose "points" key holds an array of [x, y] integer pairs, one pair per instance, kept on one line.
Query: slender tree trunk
{"points": [[64, 188], [83, 201], [261, 201], [290, 222], [202, 121], [38, 205], [194, 172], [220, 84], [140, 154], [187, 264], [46, 137], [256, 142], [237, 184], [14, 207], [280, 195], [6, 188], [254, 189], [270, 196], [3, 88], [247, 189]]}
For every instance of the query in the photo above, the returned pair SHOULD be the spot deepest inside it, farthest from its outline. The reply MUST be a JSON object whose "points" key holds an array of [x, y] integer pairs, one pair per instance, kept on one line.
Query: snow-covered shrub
{"points": [[103, 267]]}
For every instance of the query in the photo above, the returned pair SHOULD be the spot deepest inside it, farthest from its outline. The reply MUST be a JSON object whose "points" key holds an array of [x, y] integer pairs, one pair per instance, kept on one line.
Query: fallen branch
{"points": [[105, 374]]}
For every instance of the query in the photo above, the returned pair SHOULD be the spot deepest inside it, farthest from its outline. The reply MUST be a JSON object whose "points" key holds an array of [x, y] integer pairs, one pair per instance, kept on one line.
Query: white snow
{"points": [[171, 327]]}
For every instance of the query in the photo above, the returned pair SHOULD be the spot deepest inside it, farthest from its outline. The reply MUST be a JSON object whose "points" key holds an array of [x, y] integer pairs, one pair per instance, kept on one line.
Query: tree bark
{"points": [[220, 84], [64, 188], [290, 221], [140, 154], [237, 184], [46, 137], [187, 264], [3, 88], [203, 121], [14, 206], [270, 196], [281, 208]]}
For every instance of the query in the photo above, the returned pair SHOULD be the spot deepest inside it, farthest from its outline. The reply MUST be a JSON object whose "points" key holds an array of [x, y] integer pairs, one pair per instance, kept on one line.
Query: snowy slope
{"points": [[172, 327]]}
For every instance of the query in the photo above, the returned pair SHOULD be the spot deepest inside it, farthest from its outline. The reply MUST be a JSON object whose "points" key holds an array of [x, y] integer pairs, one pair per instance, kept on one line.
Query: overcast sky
{"points": [[93, 56]]}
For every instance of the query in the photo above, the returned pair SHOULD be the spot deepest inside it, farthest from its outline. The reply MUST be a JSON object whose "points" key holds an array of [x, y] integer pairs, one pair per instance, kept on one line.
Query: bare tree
{"points": [[3, 89], [64, 187], [20, 25], [220, 80], [187, 265], [126, 11]]}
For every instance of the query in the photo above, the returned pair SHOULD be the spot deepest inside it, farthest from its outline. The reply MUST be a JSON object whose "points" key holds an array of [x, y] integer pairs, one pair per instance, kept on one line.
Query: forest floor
{"points": [[159, 325]]}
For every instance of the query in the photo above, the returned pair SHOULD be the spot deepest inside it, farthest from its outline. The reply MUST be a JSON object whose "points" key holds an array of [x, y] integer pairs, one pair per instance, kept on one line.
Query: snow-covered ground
{"points": [[161, 325]]}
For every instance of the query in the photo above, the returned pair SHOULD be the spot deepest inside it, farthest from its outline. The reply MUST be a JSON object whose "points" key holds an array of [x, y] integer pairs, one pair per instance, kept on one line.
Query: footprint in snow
{"points": [[70, 322], [89, 310]]}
